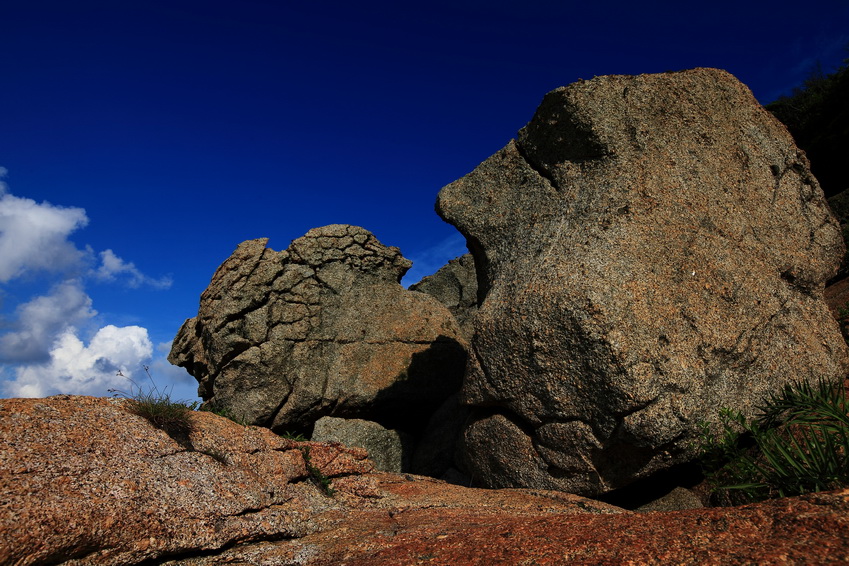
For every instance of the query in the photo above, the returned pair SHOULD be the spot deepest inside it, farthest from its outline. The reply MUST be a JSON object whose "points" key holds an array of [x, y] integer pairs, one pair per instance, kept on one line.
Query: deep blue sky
{"points": [[163, 133]]}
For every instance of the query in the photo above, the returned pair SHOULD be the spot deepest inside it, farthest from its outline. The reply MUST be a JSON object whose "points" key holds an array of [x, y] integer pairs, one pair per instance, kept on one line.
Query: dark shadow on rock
{"points": [[646, 490], [408, 404]]}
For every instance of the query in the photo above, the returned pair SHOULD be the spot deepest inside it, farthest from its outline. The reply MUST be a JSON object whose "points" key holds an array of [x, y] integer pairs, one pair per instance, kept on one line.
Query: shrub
{"points": [[797, 443]]}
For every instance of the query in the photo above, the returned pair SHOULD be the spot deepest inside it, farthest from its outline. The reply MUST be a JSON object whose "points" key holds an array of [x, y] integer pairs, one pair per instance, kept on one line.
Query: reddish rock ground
{"points": [[82, 481]]}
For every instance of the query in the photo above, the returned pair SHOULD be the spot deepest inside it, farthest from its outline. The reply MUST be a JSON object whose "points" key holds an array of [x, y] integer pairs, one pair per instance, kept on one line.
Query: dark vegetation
{"points": [[798, 442], [817, 115], [155, 405]]}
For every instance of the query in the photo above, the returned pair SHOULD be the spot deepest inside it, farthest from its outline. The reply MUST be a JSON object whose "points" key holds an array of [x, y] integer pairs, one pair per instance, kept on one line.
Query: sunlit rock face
{"points": [[323, 328], [649, 249], [456, 287]]}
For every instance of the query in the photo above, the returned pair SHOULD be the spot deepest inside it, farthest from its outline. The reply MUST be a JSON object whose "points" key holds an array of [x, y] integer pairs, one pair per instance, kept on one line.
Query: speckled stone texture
{"points": [[388, 449], [651, 248], [84, 481], [456, 287], [82, 478], [323, 328]]}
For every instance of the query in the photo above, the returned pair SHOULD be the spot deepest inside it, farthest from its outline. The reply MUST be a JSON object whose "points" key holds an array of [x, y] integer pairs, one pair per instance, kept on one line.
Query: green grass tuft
{"points": [[296, 436], [174, 417], [318, 478], [798, 442]]}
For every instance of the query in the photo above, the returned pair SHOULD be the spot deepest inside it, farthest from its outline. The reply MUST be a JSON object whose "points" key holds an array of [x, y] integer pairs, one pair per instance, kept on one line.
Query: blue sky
{"points": [[141, 141]]}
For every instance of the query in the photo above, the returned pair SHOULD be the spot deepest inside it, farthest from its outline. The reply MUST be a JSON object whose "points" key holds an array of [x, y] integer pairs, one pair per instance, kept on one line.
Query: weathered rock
{"points": [[456, 287], [321, 329], [677, 499], [839, 205], [390, 450], [651, 248], [82, 478], [84, 481], [808, 530]]}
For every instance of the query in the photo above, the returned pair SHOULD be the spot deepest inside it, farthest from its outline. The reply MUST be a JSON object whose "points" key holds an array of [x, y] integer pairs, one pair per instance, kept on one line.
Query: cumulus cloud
{"points": [[113, 267], [39, 321], [34, 236], [92, 369], [43, 348]]}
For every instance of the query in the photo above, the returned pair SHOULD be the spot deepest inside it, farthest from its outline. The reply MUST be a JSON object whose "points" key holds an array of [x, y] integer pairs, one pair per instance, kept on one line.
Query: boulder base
{"points": [[82, 481]]}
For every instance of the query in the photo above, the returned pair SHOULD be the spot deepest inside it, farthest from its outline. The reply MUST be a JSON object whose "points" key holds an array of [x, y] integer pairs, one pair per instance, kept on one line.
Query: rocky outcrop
{"points": [[651, 248], [82, 478], [83, 481], [323, 328], [456, 287]]}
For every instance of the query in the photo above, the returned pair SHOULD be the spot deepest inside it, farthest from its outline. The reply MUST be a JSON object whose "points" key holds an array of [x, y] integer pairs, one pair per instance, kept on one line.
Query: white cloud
{"points": [[112, 267], [42, 349], [39, 321], [33, 237], [86, 370]]}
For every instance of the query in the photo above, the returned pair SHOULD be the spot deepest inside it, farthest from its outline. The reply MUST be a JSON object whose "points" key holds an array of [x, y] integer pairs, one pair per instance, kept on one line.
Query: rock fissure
{"points": [[175, 557], [538, 167]]}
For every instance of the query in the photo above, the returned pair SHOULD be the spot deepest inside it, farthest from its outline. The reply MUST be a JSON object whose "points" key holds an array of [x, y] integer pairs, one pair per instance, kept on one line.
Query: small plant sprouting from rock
{"points": [[316, 475], [296, 436], [797, 443], [155, 405]]}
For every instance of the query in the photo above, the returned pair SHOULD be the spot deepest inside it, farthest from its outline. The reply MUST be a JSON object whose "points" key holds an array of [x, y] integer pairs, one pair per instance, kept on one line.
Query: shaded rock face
{"points": [[436, 448], [651, 248], [388, 449], [82, 481], [321, 329], [456, 287]]}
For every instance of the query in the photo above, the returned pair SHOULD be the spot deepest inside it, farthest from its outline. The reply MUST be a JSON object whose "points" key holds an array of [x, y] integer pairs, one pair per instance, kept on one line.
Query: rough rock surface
{"points": [[390, 450], [84, 482], [83, 479], [456, 287], [651, 248], [321, 329]]}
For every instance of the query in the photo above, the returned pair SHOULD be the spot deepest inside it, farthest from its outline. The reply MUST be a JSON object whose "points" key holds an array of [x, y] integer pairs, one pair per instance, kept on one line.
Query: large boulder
{"points": [[84, 480], [323, 328], [650, 249]]}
